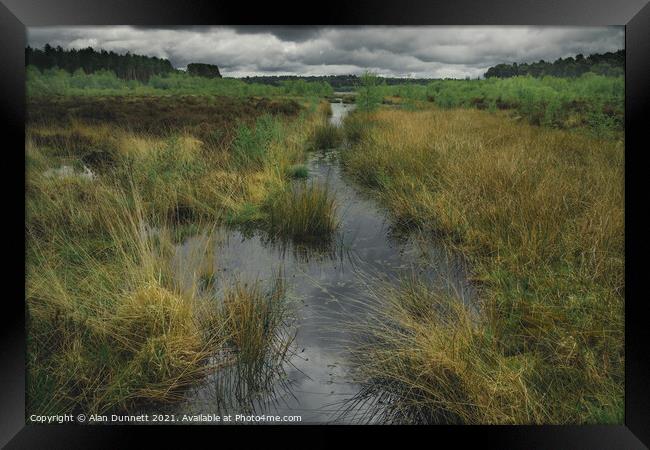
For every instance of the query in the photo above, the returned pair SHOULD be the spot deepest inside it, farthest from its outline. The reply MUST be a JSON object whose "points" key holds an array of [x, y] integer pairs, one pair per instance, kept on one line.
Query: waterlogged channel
{"points": [[328, 290]]}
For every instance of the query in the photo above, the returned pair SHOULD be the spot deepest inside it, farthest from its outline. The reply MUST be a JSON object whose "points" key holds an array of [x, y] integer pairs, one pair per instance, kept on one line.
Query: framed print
{"points": [[383, 219]]}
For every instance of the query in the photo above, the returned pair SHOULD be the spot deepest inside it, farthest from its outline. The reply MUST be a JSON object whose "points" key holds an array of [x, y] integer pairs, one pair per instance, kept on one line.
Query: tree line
{"points": [[340, 82], [127, 66], [139, 67], [608, 64]]}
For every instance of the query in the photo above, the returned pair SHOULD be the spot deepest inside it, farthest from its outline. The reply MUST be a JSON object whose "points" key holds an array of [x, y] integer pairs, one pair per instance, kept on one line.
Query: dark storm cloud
{"points": [[292, 33], [422, 51]]}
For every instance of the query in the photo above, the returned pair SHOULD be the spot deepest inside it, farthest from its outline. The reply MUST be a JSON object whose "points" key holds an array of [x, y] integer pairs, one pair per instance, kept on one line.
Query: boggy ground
{"points": [[108, 196], [539, 214], [209, 118]]}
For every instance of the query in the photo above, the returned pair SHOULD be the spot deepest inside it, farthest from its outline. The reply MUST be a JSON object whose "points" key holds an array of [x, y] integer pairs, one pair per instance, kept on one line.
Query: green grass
{"points": [[247, 213], [593, 103], [538, 213], [106, 83], [299, 171], [251, 144]]}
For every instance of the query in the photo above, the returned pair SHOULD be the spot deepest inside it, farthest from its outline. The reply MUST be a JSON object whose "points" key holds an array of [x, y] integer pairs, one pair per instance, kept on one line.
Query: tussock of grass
{"points": [[327, 136], [429, 361], [299, 171], [539, 213], [327, 110], [254, 317], [302, 211]]}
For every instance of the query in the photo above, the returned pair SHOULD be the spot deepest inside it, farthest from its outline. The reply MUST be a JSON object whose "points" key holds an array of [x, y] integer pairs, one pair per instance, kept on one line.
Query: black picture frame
{"points": [[16, 15]]}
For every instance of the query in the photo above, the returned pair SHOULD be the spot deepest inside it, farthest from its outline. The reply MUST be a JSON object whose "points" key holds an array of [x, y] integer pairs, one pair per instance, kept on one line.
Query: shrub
{"points": [[369, 92]]}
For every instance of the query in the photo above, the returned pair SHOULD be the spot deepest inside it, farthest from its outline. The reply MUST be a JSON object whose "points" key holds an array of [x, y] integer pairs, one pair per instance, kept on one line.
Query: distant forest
{"points": [[608, 64], [128, 66], [141, 68], [338, 82]]}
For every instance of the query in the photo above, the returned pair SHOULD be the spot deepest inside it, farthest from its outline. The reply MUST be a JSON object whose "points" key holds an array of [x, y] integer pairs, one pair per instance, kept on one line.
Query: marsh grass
{"points": [[327, 136], [256, 317], [299, 171], [327, 110], [251, 143], [415, 328], [302, 211], [355, 127], [110, 330], [110, 325], [539, 215]]}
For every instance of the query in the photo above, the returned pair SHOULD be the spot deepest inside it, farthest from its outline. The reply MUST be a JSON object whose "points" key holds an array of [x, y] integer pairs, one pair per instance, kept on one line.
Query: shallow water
{"points": [[328, 289], [66, 171]]}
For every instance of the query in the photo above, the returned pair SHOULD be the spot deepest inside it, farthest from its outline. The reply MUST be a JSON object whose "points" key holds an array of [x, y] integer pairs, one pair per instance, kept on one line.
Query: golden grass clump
{"points": [[429, 361], [302, 211], [154, 311], [539, 214]]}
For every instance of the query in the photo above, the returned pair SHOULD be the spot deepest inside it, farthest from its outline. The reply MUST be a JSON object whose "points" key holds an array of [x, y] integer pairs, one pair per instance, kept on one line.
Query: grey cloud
{"points": [[293, 33], [420, 51]]}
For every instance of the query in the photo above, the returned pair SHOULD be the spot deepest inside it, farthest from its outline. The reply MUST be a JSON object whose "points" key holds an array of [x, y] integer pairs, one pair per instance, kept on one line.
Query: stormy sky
{"points": [[420, 52]]}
